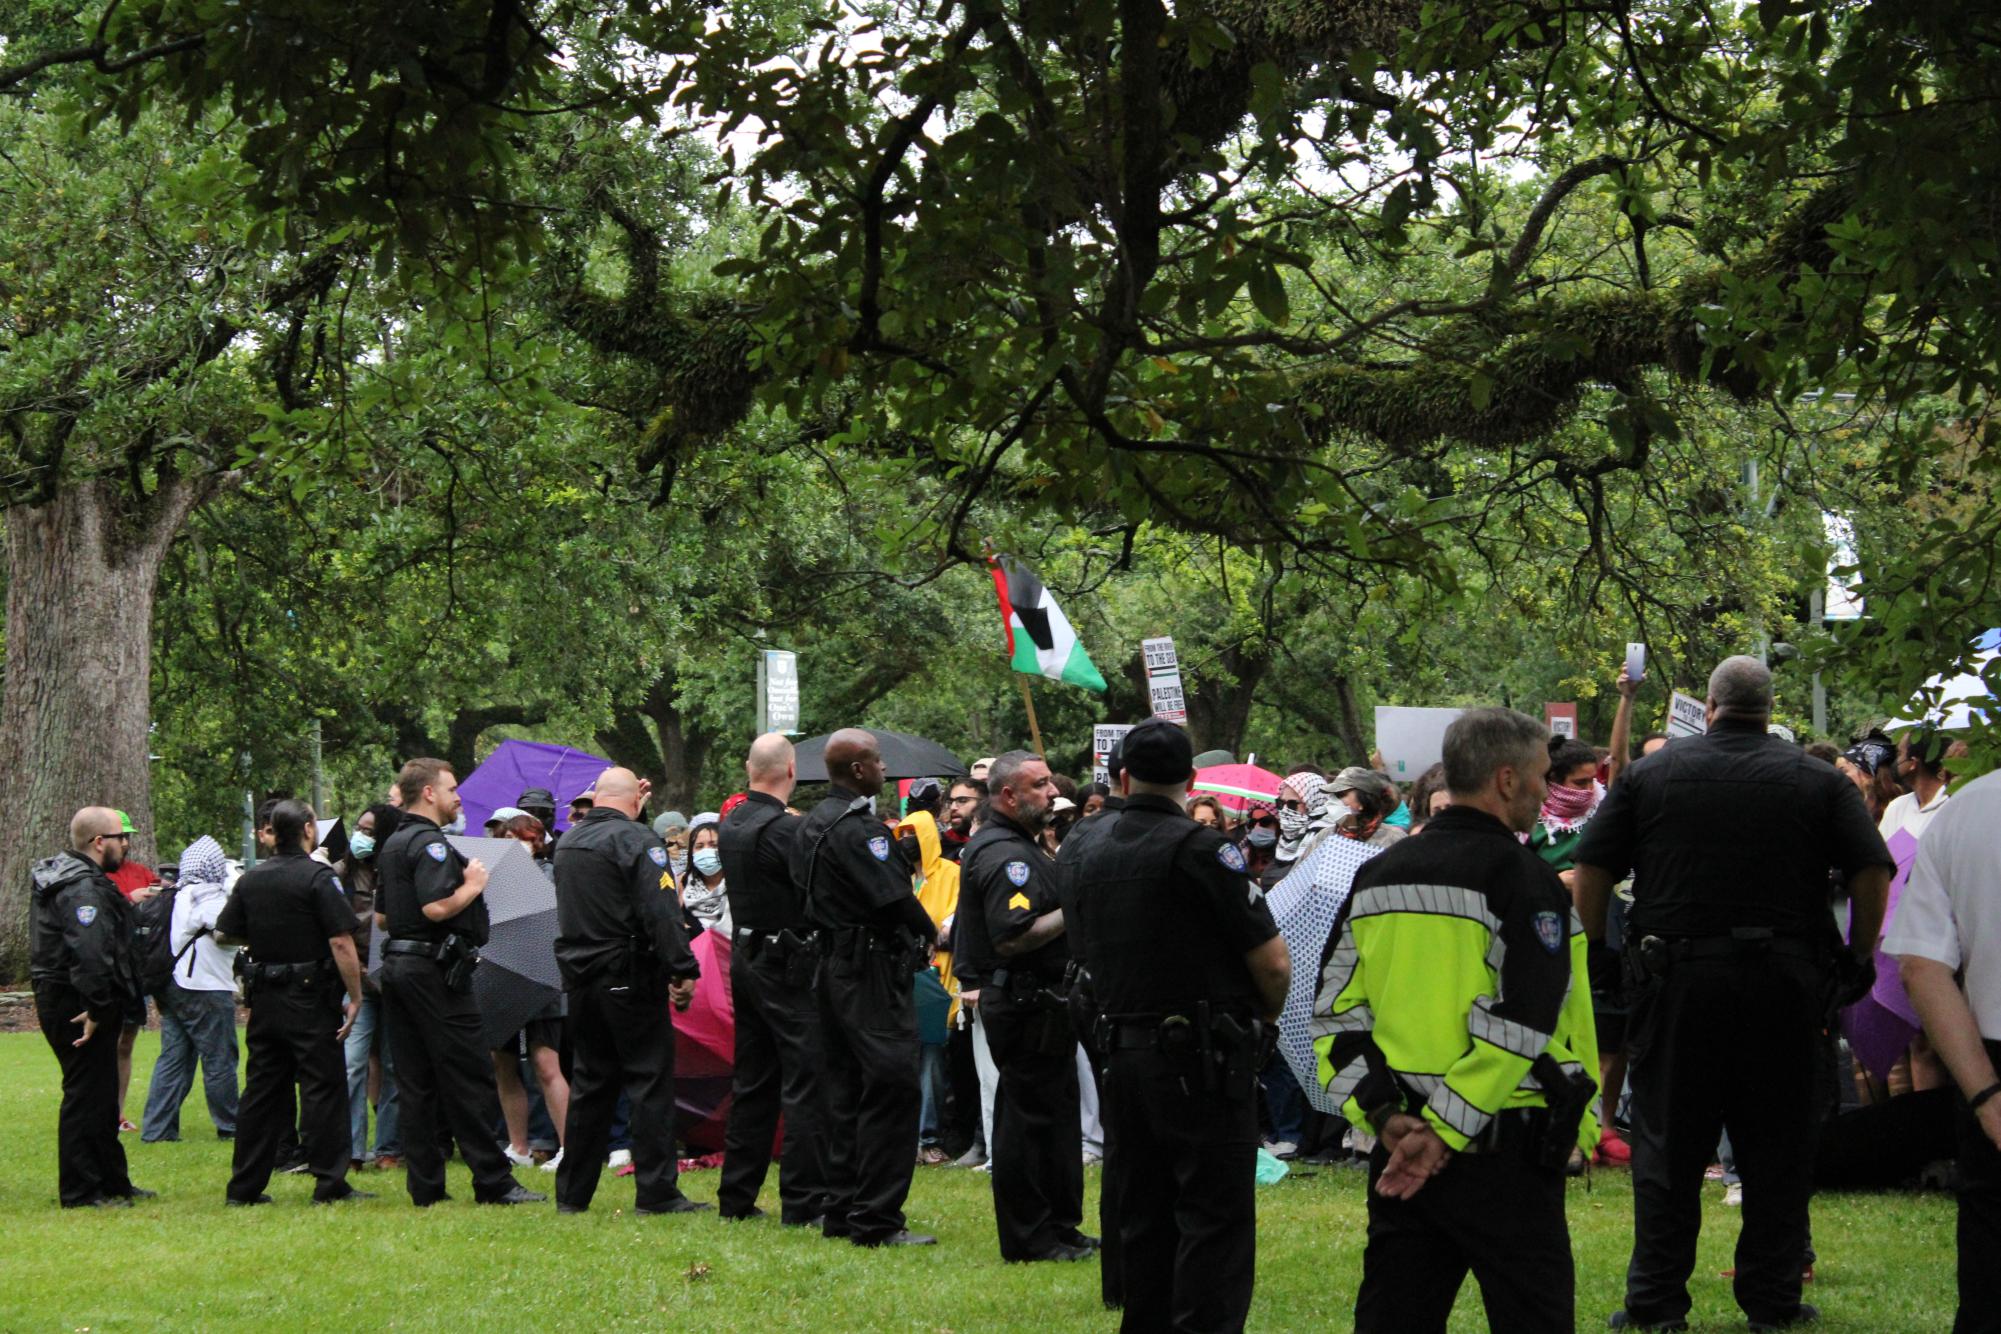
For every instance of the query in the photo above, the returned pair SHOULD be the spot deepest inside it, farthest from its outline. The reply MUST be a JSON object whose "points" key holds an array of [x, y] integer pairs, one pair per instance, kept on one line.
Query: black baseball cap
{"points": [[1157, 751], [1115, 761], [536, 799]]}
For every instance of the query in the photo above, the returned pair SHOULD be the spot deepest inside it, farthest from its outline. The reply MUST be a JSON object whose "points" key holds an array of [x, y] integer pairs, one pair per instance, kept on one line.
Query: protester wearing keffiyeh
{"points": [[1295, 827]]}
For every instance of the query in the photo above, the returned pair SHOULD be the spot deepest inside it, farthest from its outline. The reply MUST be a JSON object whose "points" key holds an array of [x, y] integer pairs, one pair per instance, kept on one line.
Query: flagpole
{"points": [[1028, 701]]}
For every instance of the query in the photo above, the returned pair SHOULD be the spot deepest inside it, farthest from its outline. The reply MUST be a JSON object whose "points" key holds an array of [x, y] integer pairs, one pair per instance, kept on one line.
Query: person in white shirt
{"points": [[1947, 938], [1921, 756], [198, 1006]]}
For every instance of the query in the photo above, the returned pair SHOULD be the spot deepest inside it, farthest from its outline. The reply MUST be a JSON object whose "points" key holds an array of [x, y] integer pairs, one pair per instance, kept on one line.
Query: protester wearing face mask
{"points": [[1302, 799], [1363, 801], [704, 897], [371, 1070], [1258, 837]]}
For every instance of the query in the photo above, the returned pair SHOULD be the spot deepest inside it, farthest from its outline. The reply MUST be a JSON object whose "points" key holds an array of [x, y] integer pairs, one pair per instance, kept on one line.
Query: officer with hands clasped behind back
{"points": [[1190, 971], [86, 984], [299, 959], [772, 966], [436, 920], [625, 959], [873, 935], [1447, 1024], [1009, 934]]}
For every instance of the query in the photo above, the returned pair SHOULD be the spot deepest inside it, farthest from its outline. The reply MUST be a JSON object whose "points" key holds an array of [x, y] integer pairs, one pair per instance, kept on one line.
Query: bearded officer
{"points": [[1010, 933]]}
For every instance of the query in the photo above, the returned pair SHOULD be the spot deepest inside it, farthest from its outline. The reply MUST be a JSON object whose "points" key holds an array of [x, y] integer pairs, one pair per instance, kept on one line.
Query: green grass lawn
{"points": [[183, 1261]]}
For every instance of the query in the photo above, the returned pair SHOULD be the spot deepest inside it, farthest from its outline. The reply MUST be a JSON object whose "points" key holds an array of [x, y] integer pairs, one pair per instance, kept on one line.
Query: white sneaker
{"points": [[555, 1161], [619, 1158], [1733, 1194], [516, 1157]]}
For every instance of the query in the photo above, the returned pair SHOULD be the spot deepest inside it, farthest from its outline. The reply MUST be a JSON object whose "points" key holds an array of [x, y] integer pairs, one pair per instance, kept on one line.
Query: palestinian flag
{"points": [[1039, 638]]}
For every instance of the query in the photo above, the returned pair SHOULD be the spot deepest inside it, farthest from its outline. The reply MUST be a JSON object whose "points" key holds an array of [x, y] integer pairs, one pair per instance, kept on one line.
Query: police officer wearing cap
{"points": [[1730, 965], [625, 960], [293, 918], [87, 985], [1189, 969], [772, 965], [874, 934], [1009, 935], [435, 917]]}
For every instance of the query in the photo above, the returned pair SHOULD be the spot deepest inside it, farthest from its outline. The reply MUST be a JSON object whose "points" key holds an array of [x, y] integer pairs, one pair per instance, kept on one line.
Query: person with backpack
{"points": [[192, 978]]}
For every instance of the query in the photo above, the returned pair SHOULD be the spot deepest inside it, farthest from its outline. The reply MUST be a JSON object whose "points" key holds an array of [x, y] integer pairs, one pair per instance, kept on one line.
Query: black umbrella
{"points": [[903, 756], [517, 977]]}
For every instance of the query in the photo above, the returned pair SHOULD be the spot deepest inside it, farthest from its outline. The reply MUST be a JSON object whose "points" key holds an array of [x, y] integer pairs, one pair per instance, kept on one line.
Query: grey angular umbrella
{"points": [[517, 977], [903, 756]]}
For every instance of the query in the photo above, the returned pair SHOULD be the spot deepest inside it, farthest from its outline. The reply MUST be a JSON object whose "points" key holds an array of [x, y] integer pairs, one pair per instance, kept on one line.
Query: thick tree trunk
{"points": [[684, 749], [81, 576]]}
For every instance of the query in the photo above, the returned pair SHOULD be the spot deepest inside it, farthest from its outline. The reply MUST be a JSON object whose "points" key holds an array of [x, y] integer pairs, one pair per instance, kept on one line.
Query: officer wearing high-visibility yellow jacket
{"points": [[1446, 1024]]}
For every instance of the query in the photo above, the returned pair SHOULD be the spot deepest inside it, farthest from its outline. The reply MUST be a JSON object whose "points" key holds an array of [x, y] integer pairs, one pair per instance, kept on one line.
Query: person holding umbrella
{"points": [[624, 957]]}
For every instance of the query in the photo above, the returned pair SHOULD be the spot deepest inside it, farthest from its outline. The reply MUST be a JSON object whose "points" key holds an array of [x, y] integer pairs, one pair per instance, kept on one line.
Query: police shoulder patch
{"points": [[1549, 930], [879, 845], [1233, 857], [437, 851], [86, 913], [659, 856], [1017, 874]]}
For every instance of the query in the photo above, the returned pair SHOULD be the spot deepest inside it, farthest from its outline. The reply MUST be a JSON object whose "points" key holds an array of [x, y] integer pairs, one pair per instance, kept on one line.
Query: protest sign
{"points": [[1163, 680], [1562, 719], [1103, 737], [1686, 716], [1412, 740]]}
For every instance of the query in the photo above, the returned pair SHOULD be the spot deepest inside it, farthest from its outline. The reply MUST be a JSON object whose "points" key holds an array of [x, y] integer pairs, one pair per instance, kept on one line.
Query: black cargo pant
{"points": [[868, 1022], [621, 1038], [292, 1040], [1979, 1222], [1182, 1167], [444, 1078], [1496, 1214], [1723, 1041], [1037, 1153], [778, 1069], [90, 1160]]}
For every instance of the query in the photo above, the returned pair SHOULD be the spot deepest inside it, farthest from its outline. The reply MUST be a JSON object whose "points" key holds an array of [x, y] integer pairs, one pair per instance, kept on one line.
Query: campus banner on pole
{"points": [[1412, 740], [778, 691]]}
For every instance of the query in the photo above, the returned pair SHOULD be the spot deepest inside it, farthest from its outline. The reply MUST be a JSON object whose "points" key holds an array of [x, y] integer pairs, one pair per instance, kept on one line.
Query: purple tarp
{"points": [[1881, 1025], [517, 765]]}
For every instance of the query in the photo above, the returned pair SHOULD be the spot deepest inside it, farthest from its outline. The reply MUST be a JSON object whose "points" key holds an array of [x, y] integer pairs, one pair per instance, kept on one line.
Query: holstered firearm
{"points": [[1568, 1097], [459, 957]]}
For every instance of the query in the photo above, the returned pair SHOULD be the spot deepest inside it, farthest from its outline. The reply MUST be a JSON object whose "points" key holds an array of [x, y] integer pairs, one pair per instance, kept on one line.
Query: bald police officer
{"points": [[873, 935], [625, 960], [300, 961], [1189, 967], [436, 921], [777, 1014], [1009, 933]]}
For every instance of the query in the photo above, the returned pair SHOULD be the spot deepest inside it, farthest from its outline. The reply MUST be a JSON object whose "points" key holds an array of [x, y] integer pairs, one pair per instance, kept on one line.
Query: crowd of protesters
{"points": [[1863, 1133]]}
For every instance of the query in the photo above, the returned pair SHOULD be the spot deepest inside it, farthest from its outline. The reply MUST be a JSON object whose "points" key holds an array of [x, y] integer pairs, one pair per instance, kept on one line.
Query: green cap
{"points": [[125, 822]]}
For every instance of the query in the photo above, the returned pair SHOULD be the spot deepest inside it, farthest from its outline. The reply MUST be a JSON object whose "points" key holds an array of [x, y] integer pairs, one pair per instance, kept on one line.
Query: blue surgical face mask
{"points": [[708, 861], [361, 846], [1262, 838]]}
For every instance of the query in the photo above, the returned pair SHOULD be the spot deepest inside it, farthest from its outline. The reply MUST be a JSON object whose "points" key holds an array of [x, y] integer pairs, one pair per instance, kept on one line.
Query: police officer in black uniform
{"points": [[295, 924], [86, 987], [1729, 962], [1084, 1009], [1189, 967], [1009, 934], [625, 960], [874, 934], [436, 921], [772, 964]]}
